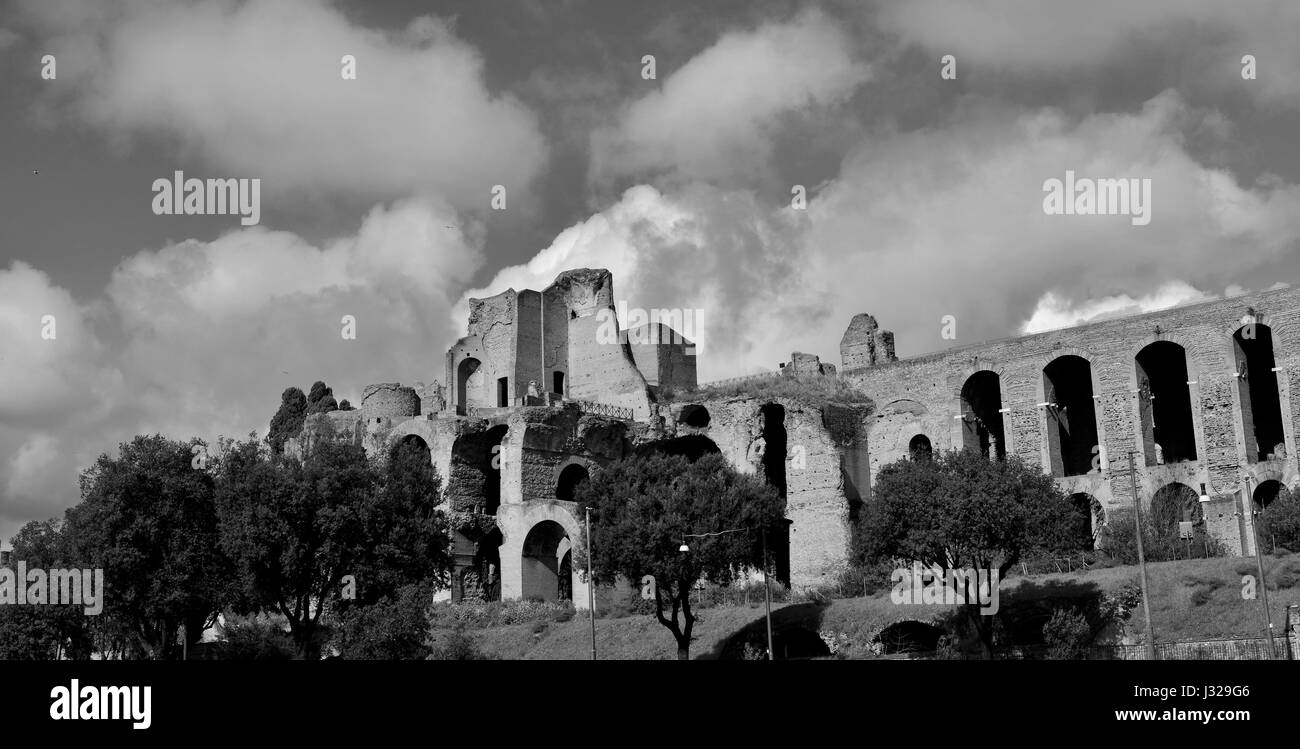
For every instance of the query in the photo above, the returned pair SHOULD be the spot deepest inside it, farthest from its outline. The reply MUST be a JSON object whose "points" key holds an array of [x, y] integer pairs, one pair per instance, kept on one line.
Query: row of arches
{"points": [[1165, 412]]}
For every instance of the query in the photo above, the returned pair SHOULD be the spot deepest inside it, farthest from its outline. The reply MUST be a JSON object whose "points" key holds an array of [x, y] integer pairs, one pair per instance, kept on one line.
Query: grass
{"points": [[1199, 599]]}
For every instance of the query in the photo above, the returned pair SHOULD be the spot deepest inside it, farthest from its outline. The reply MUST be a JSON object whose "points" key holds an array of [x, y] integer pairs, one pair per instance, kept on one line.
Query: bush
{"points": [[1280, 524], [497, 613], [392, 629], [1067, 635], [255, 638], [455, 645], [1119, 540]]}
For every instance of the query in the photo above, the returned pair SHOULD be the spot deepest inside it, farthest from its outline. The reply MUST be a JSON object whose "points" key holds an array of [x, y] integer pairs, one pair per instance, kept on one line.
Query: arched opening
{"points": [[475, 481], [1270, 491], [919, 448], [774, 451], [774, 455], [798, 642], [1261, 409], [908, 637], [1177, 523], [1071, 418], [412, 450], [482, 580], [692, 446], [981, 415], [543, 558], [557, 382], [694, 416], [503, 392], [465, 372], [567, 484], [1089, 519], [1165, 404]]}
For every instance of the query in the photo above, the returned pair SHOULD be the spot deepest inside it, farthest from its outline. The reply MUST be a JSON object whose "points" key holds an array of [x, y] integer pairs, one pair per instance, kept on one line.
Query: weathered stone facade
{"points": [[540, 397]]}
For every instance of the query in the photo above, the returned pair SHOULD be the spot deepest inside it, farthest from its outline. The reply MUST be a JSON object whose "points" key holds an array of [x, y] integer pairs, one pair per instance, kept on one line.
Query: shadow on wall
{"points": [[794, 636]]}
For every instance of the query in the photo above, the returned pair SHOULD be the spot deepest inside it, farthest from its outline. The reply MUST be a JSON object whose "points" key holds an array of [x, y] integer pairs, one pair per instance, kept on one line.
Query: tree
{"points": [[288, 420], [321, 399], [1280, 523], [296, 527], [960, 511], [147, 519], [643, 508], [50, 631]]}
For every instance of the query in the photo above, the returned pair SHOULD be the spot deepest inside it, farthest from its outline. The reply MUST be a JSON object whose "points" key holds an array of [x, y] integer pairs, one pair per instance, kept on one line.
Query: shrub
{"points": [[1067, 635], [497, 613], [1280, 524], [391, 629], [456, 645], [256, 638]]}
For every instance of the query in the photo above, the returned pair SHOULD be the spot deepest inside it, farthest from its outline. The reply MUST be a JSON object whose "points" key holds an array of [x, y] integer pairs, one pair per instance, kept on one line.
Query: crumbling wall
{"points": [[601, 368], [1205, 333]]}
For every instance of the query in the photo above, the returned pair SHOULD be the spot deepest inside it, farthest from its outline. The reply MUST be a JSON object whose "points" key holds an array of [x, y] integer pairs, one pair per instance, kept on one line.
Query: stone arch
{"points": [[1073, 433], [1268, 491], [1090, 516], [695, 416], [567, 479], [919, 447], [543, 556], [980, 400], [1166, 418], [466, 387], [1172, 503], [1253, 347]]}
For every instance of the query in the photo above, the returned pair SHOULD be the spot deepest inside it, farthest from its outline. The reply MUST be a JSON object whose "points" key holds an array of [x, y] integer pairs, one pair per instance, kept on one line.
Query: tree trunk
{"points": [[683, 652]]}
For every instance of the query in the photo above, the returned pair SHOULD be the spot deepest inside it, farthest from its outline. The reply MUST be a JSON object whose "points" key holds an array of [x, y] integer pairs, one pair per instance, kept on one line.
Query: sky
{"points": [[924, 192]]}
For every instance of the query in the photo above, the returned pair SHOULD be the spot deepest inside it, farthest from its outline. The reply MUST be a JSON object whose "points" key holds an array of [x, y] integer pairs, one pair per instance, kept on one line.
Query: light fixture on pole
{"points": [[767, 590], [1259, 565]]}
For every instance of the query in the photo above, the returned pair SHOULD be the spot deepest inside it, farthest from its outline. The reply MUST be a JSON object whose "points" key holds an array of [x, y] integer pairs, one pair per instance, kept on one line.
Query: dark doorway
{"points": [[1261, 409], [1071, 418], [981, 415], [1165, 404]]}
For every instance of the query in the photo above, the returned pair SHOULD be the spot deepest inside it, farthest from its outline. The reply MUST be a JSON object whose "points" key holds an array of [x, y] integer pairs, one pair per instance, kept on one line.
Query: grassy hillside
{"points": [[1191, 600]]}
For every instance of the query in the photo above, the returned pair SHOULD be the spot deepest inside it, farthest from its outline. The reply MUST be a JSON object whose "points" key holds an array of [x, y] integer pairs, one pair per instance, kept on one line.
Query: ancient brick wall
{"points": [[1222, 462]]}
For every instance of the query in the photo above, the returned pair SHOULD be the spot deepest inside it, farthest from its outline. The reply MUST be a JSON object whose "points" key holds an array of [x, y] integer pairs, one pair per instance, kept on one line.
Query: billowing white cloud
{"points": [[200, 338], [1054, 311], [919, 225], [716, 116], [255, 88], [1026, 39]]}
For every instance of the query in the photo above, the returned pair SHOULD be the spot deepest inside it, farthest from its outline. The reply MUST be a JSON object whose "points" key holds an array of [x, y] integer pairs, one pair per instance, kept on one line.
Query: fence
{"points": [[605, 409]]}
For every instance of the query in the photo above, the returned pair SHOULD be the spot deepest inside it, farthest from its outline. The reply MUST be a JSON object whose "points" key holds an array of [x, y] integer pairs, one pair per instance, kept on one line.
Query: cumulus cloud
{"points": [[255, 89], [1054, 311], [717, 115], [7, 39], [1019, 37], [919, 225], [199, 339]]}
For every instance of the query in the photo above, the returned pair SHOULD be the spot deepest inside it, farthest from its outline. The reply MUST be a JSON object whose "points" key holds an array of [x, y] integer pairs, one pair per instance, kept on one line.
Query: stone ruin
{"points": [[535, 402]]}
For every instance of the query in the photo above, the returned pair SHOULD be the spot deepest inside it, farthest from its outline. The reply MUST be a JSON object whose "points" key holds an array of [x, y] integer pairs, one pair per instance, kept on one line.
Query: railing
{"points": [[606, 409]]}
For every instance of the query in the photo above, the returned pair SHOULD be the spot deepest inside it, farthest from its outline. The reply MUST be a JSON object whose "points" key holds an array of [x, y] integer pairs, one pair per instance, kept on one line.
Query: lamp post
{"points": [[1259, 565], [591, 588], [767, 586], [1142, 565]]}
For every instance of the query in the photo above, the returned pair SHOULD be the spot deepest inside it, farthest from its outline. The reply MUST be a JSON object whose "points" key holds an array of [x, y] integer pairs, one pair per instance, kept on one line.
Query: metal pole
{"points": [[767, 592], [591, 588], [1259, 564], [1142, 565]]}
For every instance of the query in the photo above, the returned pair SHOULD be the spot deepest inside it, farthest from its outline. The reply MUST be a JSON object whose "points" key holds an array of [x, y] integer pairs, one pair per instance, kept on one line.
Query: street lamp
{"points": [[1259, 564], [767, 585]]}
